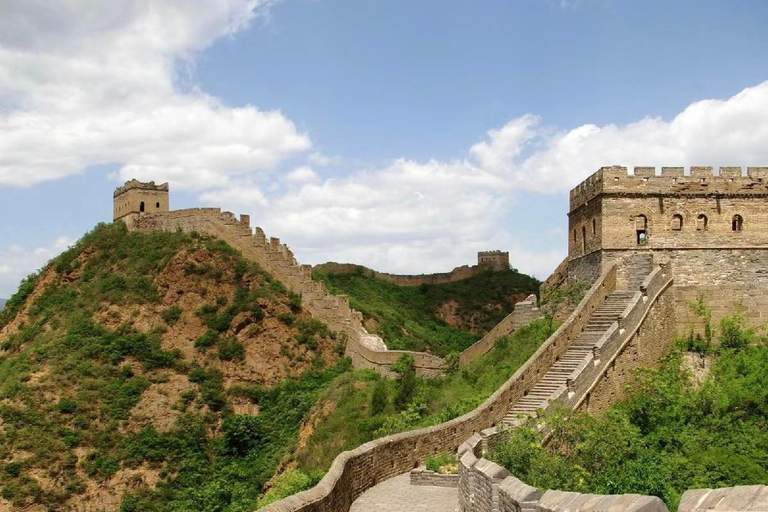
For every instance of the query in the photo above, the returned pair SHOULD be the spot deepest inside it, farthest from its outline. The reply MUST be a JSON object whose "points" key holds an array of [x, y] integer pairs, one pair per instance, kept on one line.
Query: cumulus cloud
{"points": [[425, 216], [16, 262], [84, 83]]}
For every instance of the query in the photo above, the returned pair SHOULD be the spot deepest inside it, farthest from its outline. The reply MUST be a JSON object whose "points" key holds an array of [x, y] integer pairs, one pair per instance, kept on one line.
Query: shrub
{"points": [[379, 398], [207, 340], [286, 318], [230, 349], [437, 462], [405, 367], [172, 315], [66, 406]]}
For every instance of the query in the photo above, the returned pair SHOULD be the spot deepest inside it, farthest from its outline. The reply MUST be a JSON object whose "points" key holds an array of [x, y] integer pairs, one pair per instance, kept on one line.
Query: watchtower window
{"points": [[701, 222], [641, 229], [677, 222], [141, 206], [583, 240], [737, 223], [594, 226], [157, 205]]}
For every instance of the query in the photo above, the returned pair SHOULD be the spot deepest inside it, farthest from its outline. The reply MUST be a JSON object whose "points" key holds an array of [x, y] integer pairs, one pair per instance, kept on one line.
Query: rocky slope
{"points": [[132, 366]]}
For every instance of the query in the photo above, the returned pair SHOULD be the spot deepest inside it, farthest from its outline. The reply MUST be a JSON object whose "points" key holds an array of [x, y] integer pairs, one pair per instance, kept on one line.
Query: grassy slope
{"points": [[68, 384], [407, 316], [667, 437], [351, 421]]}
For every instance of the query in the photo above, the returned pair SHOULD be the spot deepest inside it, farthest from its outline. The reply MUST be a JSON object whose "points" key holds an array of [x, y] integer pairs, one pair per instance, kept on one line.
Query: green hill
{"points": [[440, 318], [131, 366], [164, 372]]}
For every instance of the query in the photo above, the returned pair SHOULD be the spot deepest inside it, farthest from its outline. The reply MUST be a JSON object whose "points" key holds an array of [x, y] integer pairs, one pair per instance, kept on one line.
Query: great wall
{"points": [[647, 244]]}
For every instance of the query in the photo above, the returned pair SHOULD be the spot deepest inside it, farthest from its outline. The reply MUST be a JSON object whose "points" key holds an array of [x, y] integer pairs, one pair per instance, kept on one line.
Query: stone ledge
{"points": [[423, 476]]}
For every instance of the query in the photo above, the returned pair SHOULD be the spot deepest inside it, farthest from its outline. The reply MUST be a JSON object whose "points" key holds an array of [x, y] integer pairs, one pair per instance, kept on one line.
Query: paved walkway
{"points": [[398, 495]]}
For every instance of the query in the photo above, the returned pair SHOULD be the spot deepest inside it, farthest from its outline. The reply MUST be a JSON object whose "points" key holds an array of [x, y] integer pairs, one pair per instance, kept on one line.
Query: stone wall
{"points": [[334, 310], [524, 313], [744, 497], [592, 385], [586, 268], [423, 476], [487, 487], [355, 471], [729, 280], [456, 274], [652, 338]]}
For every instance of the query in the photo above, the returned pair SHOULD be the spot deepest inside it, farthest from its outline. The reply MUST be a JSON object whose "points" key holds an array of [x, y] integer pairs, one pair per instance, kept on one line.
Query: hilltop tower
{"points": [[495, 260], [136, 197], [712, 228]]}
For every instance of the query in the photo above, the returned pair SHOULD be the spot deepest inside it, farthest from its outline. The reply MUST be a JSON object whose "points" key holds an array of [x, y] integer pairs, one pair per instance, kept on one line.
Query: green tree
{"points": [[379, 398], [405, 367]]}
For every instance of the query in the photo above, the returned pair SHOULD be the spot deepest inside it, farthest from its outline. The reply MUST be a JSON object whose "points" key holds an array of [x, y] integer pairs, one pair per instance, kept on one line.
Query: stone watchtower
{"points": [[713, 228], [495, 260], [136, 197]]}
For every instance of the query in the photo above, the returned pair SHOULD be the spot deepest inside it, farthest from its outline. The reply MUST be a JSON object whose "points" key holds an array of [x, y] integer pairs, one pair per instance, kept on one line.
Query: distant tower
{"points": [[136, 197], [495, 260]]}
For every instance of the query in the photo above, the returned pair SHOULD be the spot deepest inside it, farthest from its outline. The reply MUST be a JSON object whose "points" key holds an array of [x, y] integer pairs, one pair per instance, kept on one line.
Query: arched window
{"points": [[141, 206], [594, 226], [157, 205], [641, 229], [583, 240], [701, 222], [677, 222], [574, 236], [737, 223]]}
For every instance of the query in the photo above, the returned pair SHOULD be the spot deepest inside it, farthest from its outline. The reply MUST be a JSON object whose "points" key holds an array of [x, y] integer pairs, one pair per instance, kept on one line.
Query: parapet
{"points": [[616, 180], [136, 184]]}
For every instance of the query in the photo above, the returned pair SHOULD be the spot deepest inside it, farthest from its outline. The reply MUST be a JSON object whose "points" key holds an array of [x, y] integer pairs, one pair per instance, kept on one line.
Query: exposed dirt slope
{"points": [[124, 361]]}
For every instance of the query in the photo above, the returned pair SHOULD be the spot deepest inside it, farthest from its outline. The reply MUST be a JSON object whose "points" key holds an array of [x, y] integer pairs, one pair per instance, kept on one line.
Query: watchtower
{"points": [[495, 260], [136, 197], [614, 214]]}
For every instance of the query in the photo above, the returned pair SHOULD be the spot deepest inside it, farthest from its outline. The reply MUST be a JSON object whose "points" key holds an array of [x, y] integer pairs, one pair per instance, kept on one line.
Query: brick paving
{"points": [[398, 495]]}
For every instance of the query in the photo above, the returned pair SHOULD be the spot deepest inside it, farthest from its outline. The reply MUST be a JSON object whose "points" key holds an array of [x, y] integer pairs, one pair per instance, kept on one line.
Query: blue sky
{"points": [[404, 135]]}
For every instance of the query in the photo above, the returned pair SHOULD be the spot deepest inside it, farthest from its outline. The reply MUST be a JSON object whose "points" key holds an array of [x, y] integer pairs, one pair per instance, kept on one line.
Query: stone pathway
{"points": [[398, 495]]}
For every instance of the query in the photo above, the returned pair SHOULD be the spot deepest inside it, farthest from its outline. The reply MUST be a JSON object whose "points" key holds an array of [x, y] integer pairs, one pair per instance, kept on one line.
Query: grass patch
{"points": [[355, 419], [407, 317]]}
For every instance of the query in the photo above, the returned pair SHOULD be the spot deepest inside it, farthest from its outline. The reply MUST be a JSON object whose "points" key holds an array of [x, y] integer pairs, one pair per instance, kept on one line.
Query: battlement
{"points": [[139, 185], [136, 197], [616, 180], [496, 260]]}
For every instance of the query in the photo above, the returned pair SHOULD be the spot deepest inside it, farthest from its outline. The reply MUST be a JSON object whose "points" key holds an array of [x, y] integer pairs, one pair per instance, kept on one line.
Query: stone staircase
{"points": [[599, 322], [638, 267]]}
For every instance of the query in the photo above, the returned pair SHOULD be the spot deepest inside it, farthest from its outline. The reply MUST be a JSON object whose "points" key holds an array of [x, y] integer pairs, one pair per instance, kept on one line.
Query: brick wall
{"points": [[456, 274]]}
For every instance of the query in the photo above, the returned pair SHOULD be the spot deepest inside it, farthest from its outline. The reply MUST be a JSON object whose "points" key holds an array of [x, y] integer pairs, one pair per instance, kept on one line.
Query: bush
{"points": [[230, 349], [286, 318], [437, 462], [207, 340], [66, 406], [405, 367], [379, 398], [172, 315]]}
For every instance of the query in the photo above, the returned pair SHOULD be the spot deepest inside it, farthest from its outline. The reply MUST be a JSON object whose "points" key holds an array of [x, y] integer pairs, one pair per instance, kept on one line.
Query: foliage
{"points": [[405, 368], [407, 317], [352, 420], [553, 300], [666, 437], [379, 399], [211, 459], [439, 462]]}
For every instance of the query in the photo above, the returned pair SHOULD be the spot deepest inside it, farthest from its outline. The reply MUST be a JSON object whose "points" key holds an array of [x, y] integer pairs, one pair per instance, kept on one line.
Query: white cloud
{"points": [[427, 216], [16, 262], [84, 83]]}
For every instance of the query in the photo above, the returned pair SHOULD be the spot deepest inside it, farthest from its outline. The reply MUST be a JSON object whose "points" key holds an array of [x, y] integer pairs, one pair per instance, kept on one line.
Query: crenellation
{"points": [[701, 172], [730, 172], [758, 173], [645, 172], [672, 172]]}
